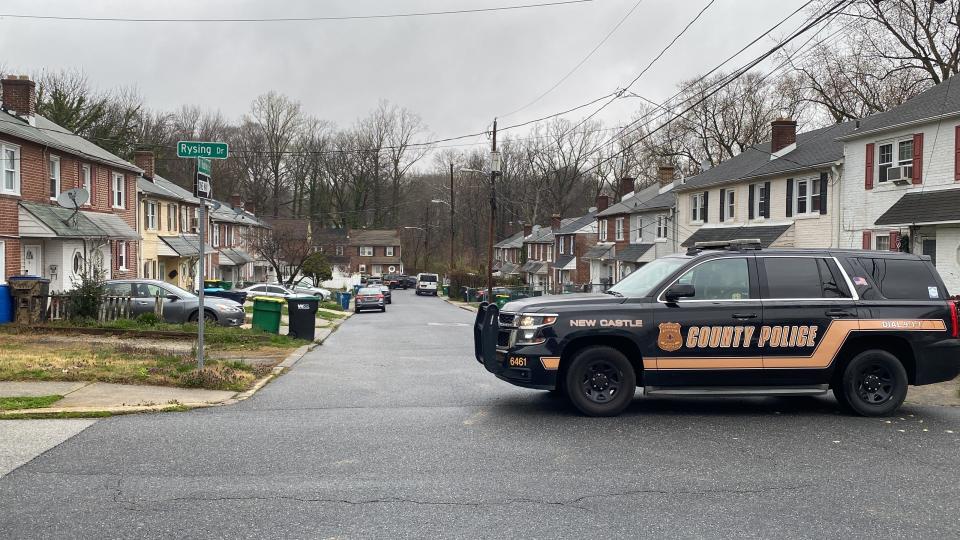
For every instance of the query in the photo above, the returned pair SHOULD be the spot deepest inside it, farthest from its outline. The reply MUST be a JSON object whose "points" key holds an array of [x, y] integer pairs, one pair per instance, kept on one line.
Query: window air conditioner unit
{"points": [[194, 225], [895, 175]]}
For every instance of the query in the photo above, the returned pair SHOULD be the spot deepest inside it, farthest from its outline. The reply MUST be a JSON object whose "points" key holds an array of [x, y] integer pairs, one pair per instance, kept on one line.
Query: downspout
{"points": [[835, 172]]}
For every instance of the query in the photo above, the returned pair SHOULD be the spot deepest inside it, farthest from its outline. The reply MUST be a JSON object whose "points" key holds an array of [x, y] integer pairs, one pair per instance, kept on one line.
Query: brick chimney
{"points": [[251, 207], [144, 159], [236, 201], [527, 230], [603, 202], [555, 221], [783, 133], [665, 174], [20, 97], [626, 187]]}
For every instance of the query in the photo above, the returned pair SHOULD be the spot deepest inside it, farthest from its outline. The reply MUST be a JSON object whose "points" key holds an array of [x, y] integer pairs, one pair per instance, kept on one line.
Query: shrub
{"points": [[148, 319], [87, 294]]}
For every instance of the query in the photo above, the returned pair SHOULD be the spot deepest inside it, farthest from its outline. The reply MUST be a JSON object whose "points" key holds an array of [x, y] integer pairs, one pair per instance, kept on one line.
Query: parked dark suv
{"points": [[733, 319]]}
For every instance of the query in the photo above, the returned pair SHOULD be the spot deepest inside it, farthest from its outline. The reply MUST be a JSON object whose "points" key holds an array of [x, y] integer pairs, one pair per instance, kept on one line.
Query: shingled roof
{"points": [[924, 207], [941, 101], [373, 237]]}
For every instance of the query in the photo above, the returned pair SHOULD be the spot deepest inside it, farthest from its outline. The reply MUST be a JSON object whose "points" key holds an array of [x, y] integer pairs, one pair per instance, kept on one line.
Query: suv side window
{"points": [[278, 290], [803, 277], [901, 279], [720, 279], [118, 289]]}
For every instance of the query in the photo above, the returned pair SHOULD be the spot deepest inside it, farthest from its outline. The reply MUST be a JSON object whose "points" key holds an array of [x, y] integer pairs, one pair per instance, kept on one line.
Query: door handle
{"points": [[744, 316], [839, 313], [142, 302]]}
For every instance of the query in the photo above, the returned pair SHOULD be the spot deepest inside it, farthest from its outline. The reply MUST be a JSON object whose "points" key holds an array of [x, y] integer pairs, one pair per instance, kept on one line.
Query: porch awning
{"points": [[566, 262], [767, 234], [48, 221], [113, 225], [633, 253], [599, 252], [237, 256], [929, 207], [186, 246], [226, 260], [510, 268]]}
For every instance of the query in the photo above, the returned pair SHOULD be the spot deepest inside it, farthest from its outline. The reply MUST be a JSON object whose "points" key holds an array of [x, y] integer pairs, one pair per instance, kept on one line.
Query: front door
{"points": [[930, 248], [31, 261], [808, 310], [711, 338]]}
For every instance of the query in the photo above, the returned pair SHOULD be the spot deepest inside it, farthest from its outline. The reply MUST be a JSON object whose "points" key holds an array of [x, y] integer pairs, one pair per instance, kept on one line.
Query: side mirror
{"points": [[172, 297], [679, 290]]}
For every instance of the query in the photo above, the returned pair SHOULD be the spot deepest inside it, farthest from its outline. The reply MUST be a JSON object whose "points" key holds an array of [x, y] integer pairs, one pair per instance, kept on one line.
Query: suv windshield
{"points": [[428, 277], [641, 282]]}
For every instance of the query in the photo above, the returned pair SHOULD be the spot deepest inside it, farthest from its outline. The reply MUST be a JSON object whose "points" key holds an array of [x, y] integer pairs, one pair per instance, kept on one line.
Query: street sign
{"points": [[195, 149], [203, 166]]}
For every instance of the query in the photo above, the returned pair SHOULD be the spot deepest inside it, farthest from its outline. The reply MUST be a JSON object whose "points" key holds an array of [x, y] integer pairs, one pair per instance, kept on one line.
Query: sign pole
{"points": [[201, 314]]}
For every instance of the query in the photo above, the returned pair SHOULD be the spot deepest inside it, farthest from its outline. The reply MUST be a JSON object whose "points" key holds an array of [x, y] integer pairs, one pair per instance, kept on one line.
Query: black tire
{"points": [[600, 381], [383, 309], [208, 317], [874, 383], [356, 310]]}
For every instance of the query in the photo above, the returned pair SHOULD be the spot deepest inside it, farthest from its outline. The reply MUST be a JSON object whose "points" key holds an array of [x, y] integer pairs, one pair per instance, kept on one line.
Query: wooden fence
{"points": [[60, 307]]}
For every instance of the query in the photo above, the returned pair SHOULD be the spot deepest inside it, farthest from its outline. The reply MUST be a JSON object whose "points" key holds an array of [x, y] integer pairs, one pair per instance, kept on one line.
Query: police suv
{"points": [[730, 318]]}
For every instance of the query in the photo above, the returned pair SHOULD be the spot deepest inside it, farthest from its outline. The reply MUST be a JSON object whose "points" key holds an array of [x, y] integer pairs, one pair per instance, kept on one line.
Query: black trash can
{"points": [[302, 312]]}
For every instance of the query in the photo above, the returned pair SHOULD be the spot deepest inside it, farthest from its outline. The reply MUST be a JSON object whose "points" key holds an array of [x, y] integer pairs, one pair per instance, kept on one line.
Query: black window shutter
{"points": [[723, 198], [823, 193], [751, 199], [789, 197], [766, 200], [706, 206]]}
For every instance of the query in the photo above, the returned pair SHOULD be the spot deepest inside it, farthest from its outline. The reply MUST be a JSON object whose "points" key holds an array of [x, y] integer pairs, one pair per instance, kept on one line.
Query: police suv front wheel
{"points": [[600, 381], [874, 383]]}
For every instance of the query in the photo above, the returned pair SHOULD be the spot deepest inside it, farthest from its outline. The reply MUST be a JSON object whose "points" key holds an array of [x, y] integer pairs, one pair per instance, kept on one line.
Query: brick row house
{"points": [[232, 229], [39, 160], [570, 272], [538, 248], [508, 255], [374, 252]]}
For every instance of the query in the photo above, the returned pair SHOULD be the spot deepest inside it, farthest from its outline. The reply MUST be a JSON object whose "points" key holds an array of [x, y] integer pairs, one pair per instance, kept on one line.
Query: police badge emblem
{"points": [[670, 339]]}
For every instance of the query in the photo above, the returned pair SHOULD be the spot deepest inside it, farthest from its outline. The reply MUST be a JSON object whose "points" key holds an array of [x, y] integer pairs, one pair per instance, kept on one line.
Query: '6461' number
{"points": [[517, 361]]}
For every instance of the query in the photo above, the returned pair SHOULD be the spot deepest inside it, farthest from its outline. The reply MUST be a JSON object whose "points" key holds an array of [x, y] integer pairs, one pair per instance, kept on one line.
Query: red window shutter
{"points": [[918, 158], [868, 180], [867, 240], [894, 240], [956, 153]]}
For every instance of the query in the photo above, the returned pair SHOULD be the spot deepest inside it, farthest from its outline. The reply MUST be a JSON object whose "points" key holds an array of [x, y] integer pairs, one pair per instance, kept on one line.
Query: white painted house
{"points": [[902, 181]]}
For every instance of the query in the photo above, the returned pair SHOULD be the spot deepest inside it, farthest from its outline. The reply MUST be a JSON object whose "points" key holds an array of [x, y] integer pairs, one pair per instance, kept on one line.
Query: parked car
{"points": [[387, 296], [391, 280], [408, 282], [274, 290], [307, 287], [427, 284], [369, 298], [179, 306]]}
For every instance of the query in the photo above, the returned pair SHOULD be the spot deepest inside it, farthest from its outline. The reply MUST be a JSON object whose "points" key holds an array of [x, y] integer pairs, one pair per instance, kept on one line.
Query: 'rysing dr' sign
{"points": [[195, 149]]}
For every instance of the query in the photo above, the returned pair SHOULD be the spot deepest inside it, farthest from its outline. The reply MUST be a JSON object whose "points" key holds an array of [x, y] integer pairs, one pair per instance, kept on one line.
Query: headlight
{"points": [[532, 321], [232, 309]]}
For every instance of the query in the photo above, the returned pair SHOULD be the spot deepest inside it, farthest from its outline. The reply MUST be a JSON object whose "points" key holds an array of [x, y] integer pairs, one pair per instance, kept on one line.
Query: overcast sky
{"points": [[456, 71]]}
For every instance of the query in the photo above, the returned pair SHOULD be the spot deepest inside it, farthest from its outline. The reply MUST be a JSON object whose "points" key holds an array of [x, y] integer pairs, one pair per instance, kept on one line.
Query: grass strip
{"points": [[27, 402]]}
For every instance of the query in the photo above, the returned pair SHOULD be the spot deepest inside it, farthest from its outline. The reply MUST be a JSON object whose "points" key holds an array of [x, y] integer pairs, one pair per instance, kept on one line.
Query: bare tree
{"points": [[278, 120], [286, 246]]}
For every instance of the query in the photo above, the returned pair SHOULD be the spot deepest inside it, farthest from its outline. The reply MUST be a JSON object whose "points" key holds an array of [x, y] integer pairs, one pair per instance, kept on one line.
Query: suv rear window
{"points": [[428, 278], [901, 279], [803, 277]]}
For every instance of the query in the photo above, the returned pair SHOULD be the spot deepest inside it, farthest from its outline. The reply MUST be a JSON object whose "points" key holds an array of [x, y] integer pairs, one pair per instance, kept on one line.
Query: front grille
{"points": [[503, 338], [506, 319]]}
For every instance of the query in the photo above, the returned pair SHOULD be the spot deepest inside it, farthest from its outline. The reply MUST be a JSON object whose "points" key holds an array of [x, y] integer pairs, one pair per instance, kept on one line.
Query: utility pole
{"points": [[426, 241], [494, 170], [450, 270]]}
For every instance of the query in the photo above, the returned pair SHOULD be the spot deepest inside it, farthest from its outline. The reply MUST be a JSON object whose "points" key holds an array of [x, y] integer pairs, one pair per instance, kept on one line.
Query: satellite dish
{"points": [[73, 198]]}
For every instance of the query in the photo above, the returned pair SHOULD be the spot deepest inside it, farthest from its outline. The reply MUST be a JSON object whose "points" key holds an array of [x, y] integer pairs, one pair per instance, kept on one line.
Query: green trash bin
{"points": [[446, 290], [502, 300], [266, 313], [226, 285]]}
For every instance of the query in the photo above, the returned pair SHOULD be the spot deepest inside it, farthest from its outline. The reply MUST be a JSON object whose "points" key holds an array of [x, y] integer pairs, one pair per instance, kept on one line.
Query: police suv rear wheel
{"points": [[600, 381], [874, 383]]}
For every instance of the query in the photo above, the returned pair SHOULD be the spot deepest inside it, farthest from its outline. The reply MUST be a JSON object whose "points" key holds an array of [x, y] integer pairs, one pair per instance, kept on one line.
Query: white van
{"points": [[427, 284]]}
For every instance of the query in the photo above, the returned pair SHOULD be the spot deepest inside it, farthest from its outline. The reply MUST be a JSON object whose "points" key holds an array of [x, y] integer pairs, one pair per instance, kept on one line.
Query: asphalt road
{"points": [[391, 429]]}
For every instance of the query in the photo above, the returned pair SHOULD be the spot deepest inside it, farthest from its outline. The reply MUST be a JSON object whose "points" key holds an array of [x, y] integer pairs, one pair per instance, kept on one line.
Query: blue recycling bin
{"points": [[6, 305], [345, 300]]}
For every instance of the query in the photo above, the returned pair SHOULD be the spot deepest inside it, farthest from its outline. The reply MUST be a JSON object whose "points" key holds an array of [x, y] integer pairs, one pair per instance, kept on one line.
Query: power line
{"points": [[294, 19], [582, 60]]}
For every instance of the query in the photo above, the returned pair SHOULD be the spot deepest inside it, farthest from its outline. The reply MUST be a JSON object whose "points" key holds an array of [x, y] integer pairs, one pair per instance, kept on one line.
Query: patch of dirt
{"points": [[122, 343]]}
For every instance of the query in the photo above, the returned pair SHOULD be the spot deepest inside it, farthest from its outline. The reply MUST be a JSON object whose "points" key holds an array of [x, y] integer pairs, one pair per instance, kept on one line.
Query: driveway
{"points": [[391, 429]]}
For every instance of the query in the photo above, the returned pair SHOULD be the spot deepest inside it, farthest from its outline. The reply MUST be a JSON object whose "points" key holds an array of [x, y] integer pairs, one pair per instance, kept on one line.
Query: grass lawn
{"points": [[216, 338], [39, 402]]}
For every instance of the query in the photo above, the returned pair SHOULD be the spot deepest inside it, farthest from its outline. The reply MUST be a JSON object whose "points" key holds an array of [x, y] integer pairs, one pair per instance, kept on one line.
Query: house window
{"points": [[603, 230], [10, 169], [77, 263], [54, 170], [696, 207], [389, 251], [87, 180], [731, 203], [119, 191], [808, 196], [183, 219], [562, 242], [661, 227], [171, 217], [530, 251], [122, 255], [151, 216], [363, 268], [216, 235], [759, 200], [366, 251], [339, 250], [618, 228], [897, 153], [883, 242], [550, 253]]}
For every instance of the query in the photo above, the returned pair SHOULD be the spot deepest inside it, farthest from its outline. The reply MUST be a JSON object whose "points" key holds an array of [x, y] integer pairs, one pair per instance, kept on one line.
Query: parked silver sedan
{"points": [[369, 298], [179, 306]]}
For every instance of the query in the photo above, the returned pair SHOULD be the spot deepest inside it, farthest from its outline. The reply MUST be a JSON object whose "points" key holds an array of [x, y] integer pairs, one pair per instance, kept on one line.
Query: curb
{"points": [[459, 305], [92, 412]]}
